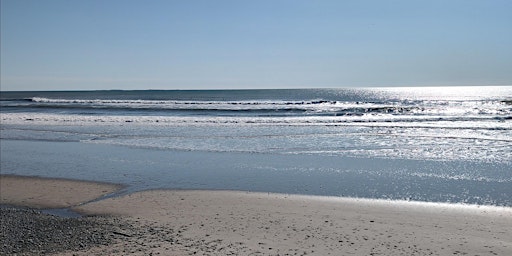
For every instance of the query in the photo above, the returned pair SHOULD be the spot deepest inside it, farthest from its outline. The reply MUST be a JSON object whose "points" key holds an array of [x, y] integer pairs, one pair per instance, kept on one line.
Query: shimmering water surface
{"points": [[428, 144]]}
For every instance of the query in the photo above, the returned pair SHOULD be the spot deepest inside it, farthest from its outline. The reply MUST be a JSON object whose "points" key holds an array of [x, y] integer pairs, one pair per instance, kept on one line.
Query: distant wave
{"points": [[178, 102], [493, 109], [448, 122]]}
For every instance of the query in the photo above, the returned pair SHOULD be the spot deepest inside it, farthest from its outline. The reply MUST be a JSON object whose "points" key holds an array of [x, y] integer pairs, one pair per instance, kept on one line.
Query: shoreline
{"points": [[116, 190], [53, 193], [219, 222]]}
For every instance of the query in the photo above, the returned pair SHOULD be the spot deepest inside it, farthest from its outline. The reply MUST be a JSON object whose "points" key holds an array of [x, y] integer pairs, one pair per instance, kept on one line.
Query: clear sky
{"points": [[214, 44]]}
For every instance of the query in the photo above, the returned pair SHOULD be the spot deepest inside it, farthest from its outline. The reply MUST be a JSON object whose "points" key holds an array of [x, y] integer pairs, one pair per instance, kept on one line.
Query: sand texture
{"points": [[185, 222], [50, 193], [239, 223]]}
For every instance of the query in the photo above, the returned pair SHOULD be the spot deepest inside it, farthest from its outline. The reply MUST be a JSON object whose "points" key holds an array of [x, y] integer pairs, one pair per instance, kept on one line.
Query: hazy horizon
{"points": [[255, 89]]}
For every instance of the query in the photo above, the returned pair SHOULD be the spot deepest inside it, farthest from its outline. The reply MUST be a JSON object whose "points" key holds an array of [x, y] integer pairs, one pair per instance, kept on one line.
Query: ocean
{"points": [[437, 144]]}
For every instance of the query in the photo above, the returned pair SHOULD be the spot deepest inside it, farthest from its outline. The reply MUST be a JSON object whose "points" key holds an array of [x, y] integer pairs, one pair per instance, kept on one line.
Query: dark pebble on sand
{"points": [[31, 232]]}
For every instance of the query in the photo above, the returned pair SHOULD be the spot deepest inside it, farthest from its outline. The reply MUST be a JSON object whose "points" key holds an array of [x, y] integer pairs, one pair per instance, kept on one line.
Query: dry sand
{"points": [[238, 223]]}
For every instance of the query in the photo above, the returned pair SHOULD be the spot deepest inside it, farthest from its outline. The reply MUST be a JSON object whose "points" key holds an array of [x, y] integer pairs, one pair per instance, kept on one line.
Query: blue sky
{"points": [[193, 44]]}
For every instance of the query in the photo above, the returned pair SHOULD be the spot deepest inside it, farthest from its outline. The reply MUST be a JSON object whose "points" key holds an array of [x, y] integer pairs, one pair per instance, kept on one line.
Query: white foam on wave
{"points": [[413, 138], [370, 120], [425, 108], [205, 105]]}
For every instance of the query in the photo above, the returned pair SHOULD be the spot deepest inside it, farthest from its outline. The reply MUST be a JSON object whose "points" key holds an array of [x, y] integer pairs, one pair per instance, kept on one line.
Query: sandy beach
{"points": [[186, 222], [50, 193]]}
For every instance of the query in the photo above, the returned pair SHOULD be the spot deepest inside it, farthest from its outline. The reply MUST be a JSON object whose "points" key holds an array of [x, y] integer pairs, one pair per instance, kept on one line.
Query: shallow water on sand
{"points": [[141, 169]]}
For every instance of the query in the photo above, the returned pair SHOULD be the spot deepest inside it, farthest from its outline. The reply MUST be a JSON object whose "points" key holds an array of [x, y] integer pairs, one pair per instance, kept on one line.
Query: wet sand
{"points": [[186, 222], [42, 193]]}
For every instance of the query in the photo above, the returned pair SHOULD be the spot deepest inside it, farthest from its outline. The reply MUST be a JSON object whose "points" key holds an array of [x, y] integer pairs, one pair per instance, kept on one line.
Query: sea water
{"points": [[438, 144]]}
